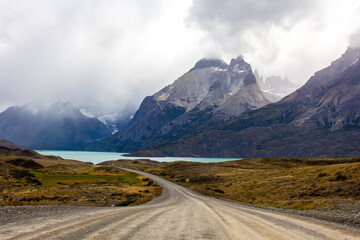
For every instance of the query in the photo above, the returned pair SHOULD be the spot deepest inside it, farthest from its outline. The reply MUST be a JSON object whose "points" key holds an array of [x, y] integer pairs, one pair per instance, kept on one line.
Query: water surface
{"points": [[98, 157]]}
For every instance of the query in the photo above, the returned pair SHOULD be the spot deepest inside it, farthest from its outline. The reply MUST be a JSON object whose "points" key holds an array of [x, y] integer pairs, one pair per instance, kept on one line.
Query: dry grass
{"points": [[285, 183], [28, 181]]}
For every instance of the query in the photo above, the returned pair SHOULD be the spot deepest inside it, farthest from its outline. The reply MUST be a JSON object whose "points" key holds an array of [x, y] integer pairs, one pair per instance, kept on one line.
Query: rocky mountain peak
{"points": [[209, 93], [325, 77], [239, 65], [208, 63], [346, 60], [213, 83]]}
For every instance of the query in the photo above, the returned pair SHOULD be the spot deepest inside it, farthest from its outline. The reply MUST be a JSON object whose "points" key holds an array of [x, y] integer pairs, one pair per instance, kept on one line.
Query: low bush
{"points": [[218, 190], [18, 174]]}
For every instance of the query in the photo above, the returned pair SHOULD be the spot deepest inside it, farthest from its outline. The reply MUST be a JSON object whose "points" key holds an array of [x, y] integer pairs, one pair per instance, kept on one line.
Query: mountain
{"points": [[210, 92], [8, 149], [58, 126], [114, 121], [8, 144], [320, 119], [276, 86]]}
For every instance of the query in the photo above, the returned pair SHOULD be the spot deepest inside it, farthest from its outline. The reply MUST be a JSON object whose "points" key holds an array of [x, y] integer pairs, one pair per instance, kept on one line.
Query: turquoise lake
{"points": [[98, 157]]}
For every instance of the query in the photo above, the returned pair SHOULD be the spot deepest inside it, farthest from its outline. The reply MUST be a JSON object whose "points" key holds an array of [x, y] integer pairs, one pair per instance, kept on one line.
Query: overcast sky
{"points": [[113, 53]]}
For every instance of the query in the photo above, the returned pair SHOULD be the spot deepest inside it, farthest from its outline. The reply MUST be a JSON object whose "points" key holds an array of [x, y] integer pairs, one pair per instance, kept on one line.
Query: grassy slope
{"points": [[285, 183], [50, 180]]}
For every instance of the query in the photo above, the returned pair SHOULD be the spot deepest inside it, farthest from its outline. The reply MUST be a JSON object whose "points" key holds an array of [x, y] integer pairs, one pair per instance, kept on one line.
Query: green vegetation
{"points": [[50, 180], [29, 181]]}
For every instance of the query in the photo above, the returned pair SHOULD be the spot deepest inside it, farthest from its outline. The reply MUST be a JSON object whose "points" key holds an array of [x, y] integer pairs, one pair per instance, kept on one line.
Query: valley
{"points": [[178, 213], [191, 119], [50, 197]]}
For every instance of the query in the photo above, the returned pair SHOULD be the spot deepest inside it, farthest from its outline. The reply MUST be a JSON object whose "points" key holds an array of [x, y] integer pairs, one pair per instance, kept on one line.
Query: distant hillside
{"points": [[54, 126], [5, 143]]}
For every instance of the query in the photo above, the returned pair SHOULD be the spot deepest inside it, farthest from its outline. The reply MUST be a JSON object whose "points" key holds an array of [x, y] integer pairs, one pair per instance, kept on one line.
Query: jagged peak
{"points": [[351, 54], [239, 65], [347, 59], [239, 58], [210, 62]]}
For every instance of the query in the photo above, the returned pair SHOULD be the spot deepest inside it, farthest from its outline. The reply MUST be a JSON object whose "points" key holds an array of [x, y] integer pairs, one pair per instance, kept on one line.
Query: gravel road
{"points": [[178, 214]]}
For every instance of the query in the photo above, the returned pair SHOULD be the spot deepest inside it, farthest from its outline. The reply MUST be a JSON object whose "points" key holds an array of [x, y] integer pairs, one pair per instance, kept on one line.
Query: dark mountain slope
{"points": [[57, 126], [8, 144]]}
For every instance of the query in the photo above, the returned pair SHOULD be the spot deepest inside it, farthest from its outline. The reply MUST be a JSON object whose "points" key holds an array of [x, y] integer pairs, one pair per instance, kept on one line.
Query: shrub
{"points": [[323, 174], [218, 190], [116, 194], [32, 181], [126, 202], [18, 174], [150, 183], [340, 177]]}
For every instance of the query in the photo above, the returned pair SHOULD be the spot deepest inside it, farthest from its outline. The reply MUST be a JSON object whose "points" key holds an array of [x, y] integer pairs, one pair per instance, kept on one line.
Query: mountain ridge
{"points": [[320, 119], [210, 92], [55, 126]]}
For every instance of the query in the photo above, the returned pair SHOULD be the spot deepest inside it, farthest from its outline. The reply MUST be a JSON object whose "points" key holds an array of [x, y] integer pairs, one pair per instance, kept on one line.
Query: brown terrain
{"points": [[322, 188], [28, 178]]}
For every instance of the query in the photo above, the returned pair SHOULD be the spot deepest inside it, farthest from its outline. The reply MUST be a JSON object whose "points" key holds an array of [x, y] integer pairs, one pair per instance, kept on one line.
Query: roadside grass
{"points": [[278, 182], [50, 180], [70, 183]]}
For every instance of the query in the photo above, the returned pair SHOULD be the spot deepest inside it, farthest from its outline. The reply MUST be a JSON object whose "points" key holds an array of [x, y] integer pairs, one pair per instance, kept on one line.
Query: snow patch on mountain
{"points": [[86, 113]]}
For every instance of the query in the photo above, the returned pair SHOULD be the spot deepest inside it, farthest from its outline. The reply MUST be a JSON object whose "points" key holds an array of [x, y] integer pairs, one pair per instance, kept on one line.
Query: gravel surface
{"points": [[10, 214], [178, 214], [347, 215]]}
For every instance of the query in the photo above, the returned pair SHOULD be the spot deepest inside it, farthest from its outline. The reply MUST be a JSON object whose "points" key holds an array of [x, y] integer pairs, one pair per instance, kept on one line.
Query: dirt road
{"points": [[178, 214]]}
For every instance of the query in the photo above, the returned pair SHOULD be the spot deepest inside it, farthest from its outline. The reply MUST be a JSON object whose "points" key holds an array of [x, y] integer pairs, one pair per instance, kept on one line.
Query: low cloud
{"points": [[239, 15], [281, 37], [112, 54], [109, 53], [355, 39]]}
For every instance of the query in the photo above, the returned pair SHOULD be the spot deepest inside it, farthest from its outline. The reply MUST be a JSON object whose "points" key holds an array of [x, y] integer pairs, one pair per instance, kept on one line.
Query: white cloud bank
{"points": [[281, 37], [114, 53]]}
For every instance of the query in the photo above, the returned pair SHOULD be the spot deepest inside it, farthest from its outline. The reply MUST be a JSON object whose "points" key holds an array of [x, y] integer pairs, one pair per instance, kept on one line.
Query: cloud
{"points": [[109, 52], [279, 37], [355, 39], [238, 15], [112, 54]]}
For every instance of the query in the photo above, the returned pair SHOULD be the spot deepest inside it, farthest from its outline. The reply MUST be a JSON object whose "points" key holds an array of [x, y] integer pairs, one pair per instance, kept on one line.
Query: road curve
{"points": [[178, 213]]}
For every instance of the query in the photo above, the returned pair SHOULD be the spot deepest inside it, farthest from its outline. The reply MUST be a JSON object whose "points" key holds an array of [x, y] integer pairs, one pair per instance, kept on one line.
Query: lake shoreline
{"points": [[98, 157]]}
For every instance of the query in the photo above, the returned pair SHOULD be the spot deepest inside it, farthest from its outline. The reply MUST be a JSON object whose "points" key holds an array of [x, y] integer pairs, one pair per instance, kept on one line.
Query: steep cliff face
{"points": [[328, 97], [337, 105], [213, 83], [321, 119], [210, 92]]}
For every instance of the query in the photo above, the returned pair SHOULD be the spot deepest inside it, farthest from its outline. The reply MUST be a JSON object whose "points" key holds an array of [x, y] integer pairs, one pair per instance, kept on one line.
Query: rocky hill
{"points": [[211, 92], [321, 119]]}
